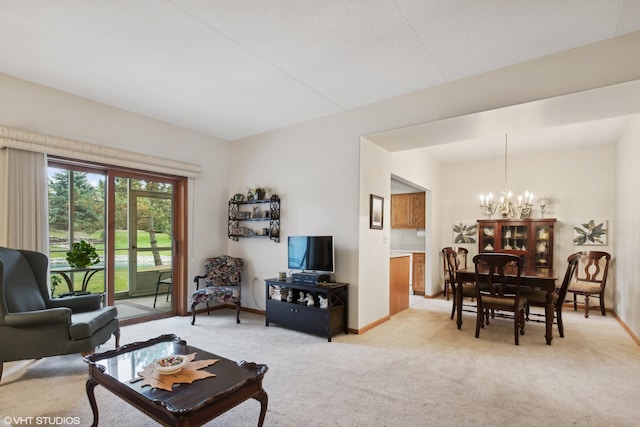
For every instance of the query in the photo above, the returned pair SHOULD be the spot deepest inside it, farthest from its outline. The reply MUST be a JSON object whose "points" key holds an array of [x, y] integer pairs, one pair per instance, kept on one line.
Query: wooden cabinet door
{"points": [[398, 284], [408, 210], [418, 274], [400, 208], [418, 210]]}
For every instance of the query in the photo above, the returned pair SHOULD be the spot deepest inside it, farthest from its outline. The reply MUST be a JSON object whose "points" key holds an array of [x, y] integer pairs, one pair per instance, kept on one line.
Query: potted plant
{"points": [[82, 254], [256, 193]]}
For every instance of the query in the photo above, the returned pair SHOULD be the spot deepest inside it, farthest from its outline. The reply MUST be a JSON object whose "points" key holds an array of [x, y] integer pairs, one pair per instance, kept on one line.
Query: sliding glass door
{"points": [[130, 218]]}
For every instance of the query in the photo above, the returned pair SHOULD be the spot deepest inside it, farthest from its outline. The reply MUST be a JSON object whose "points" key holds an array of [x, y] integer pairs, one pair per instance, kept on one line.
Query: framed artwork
{"points": [[464, 232], [376, 211], [591, 232]]}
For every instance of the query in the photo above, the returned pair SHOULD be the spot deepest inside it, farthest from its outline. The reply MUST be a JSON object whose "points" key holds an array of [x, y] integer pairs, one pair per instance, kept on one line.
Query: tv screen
{"points": [[312, 253]]}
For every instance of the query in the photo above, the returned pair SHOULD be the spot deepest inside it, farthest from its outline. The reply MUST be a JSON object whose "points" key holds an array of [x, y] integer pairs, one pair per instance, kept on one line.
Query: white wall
{"points": [[39, 109], [314, 169], [627, 232]]}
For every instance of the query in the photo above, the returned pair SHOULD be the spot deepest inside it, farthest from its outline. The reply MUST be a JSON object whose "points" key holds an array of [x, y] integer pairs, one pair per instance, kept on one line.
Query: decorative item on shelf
{"points": [[506, 206], [238, 197], [310, 300], [543, 201], [82, 254], [324, 302], [256, 193], [302, 297]]}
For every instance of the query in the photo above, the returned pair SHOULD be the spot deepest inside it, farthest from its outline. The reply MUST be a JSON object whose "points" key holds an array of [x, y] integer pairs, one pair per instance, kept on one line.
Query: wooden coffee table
{"points": [[186, 404]]}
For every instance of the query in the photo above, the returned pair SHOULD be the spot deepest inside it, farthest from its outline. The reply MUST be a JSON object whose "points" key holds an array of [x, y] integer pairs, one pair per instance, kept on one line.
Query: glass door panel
{"points": [[143, 247]]}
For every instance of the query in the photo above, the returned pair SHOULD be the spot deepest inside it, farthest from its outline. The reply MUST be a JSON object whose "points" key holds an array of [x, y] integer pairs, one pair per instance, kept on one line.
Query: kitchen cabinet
{"points": [[408, 210], [398, 284], [418, 273]]}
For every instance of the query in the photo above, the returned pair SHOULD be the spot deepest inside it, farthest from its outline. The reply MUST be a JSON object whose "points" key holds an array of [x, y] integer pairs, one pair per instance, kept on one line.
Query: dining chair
{"points": [[590, 279], [538, 297], [461, 259], [526, 255], [452, 262], [162, 281], [491, 285]]}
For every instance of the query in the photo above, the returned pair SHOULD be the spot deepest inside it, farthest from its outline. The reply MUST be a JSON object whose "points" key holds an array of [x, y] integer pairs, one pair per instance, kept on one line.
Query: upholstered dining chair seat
{"points": [[501, 303], [584, 287], [537, 296]]}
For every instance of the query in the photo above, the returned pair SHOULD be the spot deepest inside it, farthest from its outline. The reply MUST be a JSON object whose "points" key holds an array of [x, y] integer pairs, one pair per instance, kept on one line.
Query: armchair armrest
{"points": [[78, 303], [38, 317], [196, 280]]}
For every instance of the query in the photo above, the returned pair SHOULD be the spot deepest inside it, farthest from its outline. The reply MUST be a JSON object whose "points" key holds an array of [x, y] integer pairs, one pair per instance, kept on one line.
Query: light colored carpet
{"points": [[415, 370]]}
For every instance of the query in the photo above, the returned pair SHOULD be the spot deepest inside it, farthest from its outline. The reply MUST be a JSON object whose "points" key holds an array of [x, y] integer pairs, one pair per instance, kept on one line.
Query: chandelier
{"points": [[506, 205]]}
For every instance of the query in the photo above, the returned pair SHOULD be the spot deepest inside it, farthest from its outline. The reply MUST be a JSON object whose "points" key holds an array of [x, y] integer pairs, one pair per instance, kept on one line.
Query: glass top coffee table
{"points": [[186, 404]]}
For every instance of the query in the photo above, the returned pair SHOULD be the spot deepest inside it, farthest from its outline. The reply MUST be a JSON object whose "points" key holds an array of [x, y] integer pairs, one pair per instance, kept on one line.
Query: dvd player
{"points": [[310, 278]]}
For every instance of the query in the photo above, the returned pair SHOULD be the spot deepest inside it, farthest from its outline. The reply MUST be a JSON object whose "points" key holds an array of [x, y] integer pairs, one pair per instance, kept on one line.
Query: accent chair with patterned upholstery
{"points": [[222, 277]]}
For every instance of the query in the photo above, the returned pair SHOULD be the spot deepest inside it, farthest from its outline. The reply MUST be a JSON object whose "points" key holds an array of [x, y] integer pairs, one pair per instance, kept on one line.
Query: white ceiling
{"points": [[235, 68]]}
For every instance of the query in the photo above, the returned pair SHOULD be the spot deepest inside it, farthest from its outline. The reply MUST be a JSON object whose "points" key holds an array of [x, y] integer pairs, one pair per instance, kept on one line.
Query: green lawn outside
{"points": [[121, 275]]}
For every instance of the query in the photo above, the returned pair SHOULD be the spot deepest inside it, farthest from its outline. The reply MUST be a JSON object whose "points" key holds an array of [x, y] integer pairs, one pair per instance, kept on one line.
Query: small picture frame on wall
{"points": [[591, 232], [376, 212], [464, 232]]}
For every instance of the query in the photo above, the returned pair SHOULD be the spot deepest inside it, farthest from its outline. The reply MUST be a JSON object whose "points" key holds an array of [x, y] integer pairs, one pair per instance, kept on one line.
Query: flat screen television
{"points": [[311, 253]]}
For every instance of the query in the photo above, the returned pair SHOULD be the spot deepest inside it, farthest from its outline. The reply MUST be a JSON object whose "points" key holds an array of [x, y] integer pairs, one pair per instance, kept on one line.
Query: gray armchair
{"points": [[33, 325]]}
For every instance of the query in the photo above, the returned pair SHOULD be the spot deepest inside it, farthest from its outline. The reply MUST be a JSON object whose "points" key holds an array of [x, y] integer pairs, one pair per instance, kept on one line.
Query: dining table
{"points": [[533, 277]]}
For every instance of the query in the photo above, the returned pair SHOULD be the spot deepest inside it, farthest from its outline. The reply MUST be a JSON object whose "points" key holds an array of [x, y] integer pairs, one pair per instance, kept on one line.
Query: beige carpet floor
{"points": [[415, 370]]}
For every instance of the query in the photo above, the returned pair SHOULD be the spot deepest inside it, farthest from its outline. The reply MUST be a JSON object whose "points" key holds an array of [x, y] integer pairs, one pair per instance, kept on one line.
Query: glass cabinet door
{"points": [[515, 237], [487, 238], [544, 244]]}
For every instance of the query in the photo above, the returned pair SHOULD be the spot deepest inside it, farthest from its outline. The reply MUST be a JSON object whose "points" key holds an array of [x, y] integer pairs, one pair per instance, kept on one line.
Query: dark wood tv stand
{"points": [[305, 318]]}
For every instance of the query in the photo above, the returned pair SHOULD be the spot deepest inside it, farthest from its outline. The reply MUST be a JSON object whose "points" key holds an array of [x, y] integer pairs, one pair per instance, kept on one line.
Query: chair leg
{"points": [[516, 317], [193, 312], [116, 334], [526, 312], [238, 312], [479, 319], [559, 319], [1, 366], [156, 297], [586, 306], [604, 313], [575, 302]]}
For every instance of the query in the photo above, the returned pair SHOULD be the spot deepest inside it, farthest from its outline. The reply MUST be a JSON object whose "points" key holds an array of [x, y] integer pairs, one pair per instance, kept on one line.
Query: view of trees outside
{"points": [[77, 212]]}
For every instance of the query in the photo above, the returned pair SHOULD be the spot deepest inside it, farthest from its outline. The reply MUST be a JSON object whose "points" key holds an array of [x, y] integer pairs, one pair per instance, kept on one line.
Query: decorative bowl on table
{"points": [[170, 364]]}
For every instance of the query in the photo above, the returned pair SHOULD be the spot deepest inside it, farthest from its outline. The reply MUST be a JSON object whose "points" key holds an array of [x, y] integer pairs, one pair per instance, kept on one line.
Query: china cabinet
{"points": [[532, 235]]}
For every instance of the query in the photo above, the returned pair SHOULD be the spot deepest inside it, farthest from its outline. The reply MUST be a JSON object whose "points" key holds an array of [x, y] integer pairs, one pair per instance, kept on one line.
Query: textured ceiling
{"points": [[235, 68]]}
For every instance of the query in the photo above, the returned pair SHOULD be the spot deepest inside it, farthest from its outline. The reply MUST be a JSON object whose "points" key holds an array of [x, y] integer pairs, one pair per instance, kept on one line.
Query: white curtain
{"points": [[24, 216]]}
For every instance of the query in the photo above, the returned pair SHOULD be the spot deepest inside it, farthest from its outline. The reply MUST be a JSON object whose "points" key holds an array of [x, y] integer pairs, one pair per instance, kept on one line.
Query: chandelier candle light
{"points": [[507, 208]]}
